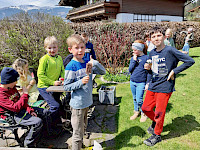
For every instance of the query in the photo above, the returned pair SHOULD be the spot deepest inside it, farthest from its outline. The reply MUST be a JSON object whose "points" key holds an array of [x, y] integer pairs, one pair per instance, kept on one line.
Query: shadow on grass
{"points": [[122, 140], [181, 126], [194, 56], [169, 107], [180, 75]]}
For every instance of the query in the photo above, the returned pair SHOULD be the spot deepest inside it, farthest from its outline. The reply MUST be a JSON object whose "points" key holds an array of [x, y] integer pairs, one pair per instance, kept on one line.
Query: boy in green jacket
{"points": [[49, 71]]}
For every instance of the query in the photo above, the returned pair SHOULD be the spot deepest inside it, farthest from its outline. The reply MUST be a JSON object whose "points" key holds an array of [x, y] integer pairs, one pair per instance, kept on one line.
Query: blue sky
{"points": [[41, 3]]}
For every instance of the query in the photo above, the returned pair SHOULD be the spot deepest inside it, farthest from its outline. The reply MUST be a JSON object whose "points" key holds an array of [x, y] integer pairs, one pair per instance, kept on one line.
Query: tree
{"points": [[23, 34]]}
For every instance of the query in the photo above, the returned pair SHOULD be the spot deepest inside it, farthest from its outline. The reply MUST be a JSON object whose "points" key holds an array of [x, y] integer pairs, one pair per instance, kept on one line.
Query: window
{"points": [[144, 18]]}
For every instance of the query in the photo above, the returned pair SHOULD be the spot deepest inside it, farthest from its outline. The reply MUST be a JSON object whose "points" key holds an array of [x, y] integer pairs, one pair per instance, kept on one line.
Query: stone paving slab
{"points": [[18, 148], [101, 127]]}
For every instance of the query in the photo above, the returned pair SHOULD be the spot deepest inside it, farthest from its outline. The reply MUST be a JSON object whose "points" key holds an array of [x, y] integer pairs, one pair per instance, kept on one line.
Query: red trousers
{"points": [[160, 100]]}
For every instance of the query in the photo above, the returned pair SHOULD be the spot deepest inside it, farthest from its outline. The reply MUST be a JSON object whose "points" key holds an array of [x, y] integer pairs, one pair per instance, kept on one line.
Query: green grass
{"points": [[182, 121]]}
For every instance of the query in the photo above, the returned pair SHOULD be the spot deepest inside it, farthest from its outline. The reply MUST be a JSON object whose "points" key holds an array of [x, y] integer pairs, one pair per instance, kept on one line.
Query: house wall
{"points": [[120, 3], [161, 7], [127, 18]]}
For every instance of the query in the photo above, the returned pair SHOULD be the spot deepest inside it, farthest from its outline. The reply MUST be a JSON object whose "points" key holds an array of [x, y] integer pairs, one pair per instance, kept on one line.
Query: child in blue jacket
{"points": [[78, 80], [138, 77]]}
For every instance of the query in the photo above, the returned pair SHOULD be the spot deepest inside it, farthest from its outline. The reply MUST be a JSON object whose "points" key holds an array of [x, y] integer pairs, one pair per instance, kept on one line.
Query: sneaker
{"points": [[143, 117], [150, 130], [153, 140], [136, 114]]}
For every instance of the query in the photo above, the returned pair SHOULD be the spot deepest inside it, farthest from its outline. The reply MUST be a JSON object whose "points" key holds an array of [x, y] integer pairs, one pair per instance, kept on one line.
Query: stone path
{"points": [[101, 127]]}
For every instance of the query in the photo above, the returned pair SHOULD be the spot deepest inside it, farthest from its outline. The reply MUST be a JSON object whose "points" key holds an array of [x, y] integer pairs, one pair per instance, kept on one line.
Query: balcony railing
{"points": [[100, 10]]}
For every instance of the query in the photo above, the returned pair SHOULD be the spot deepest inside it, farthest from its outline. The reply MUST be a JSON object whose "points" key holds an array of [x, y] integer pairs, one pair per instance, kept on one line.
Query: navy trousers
{"points": [[35, 123]]}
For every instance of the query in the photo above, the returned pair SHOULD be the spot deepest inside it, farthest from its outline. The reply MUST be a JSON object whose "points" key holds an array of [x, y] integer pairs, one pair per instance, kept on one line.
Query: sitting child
{"points": [[26, 80], [50, 69], [15, 104]]}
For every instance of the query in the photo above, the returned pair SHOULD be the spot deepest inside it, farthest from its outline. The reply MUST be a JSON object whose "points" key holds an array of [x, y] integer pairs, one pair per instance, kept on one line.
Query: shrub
{"points": [[23, 34], [112, 41], [120, 77]]}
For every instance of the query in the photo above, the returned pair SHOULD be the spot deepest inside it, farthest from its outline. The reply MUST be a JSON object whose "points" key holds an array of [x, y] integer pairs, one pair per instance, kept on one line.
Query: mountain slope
{"points": [[56, 11]]}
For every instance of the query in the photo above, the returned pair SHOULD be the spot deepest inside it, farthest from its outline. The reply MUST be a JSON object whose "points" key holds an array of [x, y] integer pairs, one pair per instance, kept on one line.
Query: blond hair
{"points": [[19, 65], [74, 39], [169, 31], [50, 40]]}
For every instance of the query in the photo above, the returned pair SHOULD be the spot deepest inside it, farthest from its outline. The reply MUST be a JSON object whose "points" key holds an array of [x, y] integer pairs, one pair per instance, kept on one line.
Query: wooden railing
{"points": [[106, 9]]}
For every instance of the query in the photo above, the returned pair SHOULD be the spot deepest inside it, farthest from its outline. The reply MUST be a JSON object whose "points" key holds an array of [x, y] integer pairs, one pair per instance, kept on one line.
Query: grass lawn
{"points": [[182, 121]]}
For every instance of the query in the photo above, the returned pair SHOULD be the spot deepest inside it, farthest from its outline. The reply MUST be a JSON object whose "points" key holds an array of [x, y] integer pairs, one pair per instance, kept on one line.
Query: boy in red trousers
{"points": [[162, 65]]}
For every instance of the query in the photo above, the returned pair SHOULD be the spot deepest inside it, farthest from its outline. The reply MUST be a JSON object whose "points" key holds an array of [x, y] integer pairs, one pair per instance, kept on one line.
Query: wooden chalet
{"points": [[125, 10]]}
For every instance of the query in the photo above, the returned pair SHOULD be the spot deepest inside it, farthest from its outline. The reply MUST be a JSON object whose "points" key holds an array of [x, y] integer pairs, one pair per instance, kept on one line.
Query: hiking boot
{"points": [[143, 117], [153, 140], [135, 115]]}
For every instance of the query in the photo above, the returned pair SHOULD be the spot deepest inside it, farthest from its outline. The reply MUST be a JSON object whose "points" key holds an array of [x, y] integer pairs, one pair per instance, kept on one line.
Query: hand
{"points": [[147, 66], [62, 81], [171, 76], [146, 87], [57, 83], [24, 90], [32, 82], [20, 92], [33, 114], [135, 57], [91, 60], [85, 79]]}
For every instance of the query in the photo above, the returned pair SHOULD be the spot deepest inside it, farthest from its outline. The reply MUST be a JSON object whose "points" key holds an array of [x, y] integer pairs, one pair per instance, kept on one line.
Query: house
{"points": [[125, 10], [195, 12]]}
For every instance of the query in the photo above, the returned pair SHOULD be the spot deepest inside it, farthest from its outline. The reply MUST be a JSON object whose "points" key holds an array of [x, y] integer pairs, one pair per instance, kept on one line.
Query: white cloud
{"points": [[41, 3]]}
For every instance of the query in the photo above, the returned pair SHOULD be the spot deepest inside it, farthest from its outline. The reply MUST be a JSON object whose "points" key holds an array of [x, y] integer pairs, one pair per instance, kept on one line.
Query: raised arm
{"points": [[132, 65], [98, 68]]}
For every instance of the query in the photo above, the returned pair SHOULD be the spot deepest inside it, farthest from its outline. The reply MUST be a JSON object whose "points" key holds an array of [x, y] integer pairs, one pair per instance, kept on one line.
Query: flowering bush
{"points": [[112, 41]]}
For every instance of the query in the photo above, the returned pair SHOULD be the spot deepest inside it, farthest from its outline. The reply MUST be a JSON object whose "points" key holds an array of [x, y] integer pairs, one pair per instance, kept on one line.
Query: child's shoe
{"points": [[143, 117], [153, 140], [135, 115]]}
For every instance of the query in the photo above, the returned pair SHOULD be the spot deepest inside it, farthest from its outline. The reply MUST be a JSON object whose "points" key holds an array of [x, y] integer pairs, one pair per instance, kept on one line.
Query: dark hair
{"points": [[156, 30]]}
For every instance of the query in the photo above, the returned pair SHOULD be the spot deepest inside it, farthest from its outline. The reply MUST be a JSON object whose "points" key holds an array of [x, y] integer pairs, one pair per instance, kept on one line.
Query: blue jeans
{"points": [[186, 48], [54, 102], [137, 90], [53, 99]]}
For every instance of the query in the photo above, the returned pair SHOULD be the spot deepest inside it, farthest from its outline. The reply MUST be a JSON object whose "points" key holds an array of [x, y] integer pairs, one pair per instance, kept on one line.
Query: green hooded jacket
{"points": [[50, 69]]}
